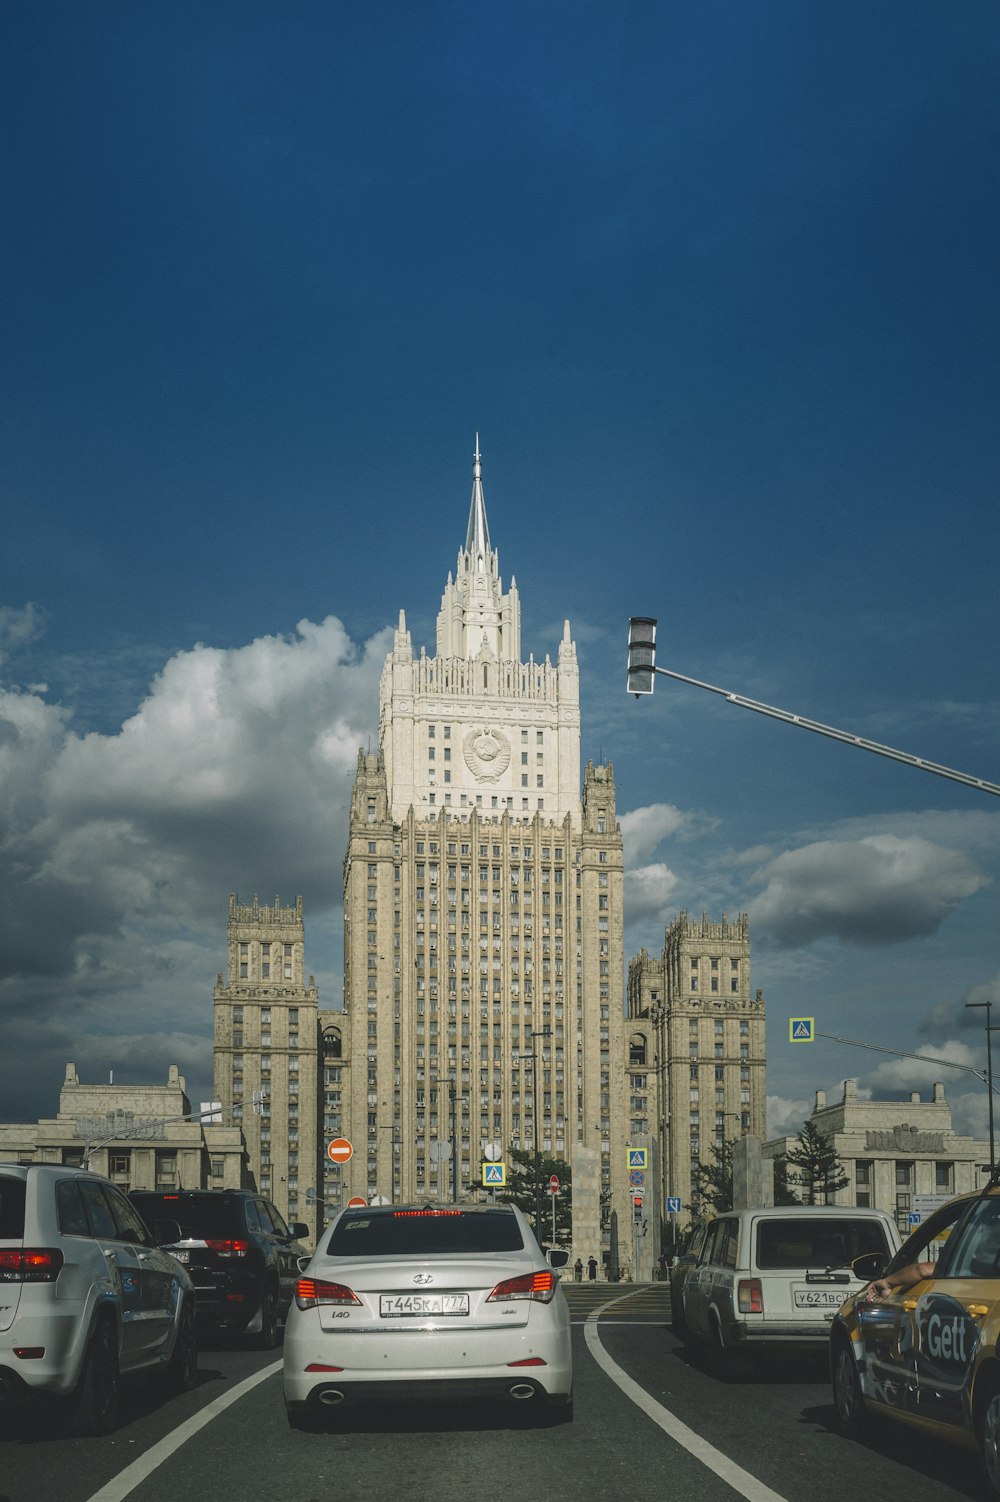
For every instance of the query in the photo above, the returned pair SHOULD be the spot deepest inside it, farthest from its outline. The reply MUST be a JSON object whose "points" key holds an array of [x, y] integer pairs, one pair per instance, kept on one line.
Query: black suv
{"points": [[242, 1257]]}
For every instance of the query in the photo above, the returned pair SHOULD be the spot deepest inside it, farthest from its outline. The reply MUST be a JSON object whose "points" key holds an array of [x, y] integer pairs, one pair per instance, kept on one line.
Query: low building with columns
{"points": [[136, 1135], [895, 1153]]}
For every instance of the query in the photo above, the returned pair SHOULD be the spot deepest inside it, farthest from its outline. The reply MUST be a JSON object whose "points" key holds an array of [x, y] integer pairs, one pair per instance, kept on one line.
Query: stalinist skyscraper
{"points": [[483, 914]]}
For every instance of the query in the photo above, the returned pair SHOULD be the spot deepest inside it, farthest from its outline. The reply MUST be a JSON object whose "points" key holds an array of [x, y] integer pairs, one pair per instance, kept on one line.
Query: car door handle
{"points": [[978, 1311], [910, 1304]]}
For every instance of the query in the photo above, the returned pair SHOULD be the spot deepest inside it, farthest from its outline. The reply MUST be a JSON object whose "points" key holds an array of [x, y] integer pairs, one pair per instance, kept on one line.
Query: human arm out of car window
{"points": [[903, 1277]]}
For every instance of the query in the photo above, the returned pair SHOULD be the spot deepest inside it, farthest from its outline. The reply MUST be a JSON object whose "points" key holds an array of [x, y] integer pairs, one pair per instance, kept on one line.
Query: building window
{"points": [[944, 1178]]}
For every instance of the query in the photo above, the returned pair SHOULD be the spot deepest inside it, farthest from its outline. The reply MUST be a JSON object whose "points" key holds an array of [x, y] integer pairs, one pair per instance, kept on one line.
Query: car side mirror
{"points": [[166, 1232], [298, 1228], [868, 1266], [557, 1256]]}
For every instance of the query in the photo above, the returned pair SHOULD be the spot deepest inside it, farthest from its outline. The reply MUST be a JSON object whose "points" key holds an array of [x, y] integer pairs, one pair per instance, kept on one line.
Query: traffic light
{"points": [[637, 1207], [641, 674]]}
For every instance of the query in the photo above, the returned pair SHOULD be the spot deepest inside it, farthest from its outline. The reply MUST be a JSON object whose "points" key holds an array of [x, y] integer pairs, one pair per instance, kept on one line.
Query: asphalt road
{"points": [[766, 1436]]}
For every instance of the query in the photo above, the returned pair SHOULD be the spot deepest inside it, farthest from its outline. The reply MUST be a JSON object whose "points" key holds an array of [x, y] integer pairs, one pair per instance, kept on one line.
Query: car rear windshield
{"points": [[409, 1233], [11, 1208], [199, 1215], [804, 1242]]}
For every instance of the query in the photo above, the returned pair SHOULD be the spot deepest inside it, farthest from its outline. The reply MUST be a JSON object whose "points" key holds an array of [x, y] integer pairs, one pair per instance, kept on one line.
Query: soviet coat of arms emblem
{"points": [[487, 753]]}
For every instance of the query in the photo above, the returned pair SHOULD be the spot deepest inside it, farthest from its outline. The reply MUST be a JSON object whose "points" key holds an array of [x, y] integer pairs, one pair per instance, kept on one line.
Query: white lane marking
{"points": [[126, 1481], [735, 1476]]}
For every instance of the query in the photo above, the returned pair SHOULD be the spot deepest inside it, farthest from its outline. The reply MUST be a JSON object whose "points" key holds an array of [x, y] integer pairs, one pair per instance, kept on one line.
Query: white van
{"points": [[777, 1276]]}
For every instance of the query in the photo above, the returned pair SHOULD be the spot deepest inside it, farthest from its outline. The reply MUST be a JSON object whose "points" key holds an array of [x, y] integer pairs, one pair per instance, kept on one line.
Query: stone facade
{"points": [[133, 1134], [894, 1151], [696, 1050], [266, 1028], [482, 916]]}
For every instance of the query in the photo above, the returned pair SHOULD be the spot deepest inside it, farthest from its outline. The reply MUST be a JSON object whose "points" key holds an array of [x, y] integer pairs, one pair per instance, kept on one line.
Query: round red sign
{"points": [[356, 1202], [339, 1150], [554, 1184]]}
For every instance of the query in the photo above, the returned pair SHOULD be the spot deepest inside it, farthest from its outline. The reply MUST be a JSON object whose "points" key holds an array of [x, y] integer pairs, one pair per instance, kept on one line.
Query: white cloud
{"points": [[878, 890], [786, 1117], [648, 892], [120, 850], [643, 829], [19, 626], [897, 1075]]}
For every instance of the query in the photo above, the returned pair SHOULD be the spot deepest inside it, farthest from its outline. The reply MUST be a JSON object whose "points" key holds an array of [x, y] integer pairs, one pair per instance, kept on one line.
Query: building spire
{"points": [[477, 537]]}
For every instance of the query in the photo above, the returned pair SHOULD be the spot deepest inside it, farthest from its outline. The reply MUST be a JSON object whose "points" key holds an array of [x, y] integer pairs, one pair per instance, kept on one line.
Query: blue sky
{"points": [[717, 286]]}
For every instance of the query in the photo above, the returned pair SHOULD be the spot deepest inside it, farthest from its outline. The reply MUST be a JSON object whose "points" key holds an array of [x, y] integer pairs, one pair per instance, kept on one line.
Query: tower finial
{"points": [[477, 536]]}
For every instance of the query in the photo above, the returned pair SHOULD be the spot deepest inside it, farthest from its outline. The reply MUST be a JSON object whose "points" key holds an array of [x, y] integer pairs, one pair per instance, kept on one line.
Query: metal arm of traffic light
{"points": [[642, 668]]}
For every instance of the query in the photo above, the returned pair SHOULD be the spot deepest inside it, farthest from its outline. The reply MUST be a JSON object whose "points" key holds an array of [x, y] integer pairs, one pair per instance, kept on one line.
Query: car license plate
{"points": [[184, 1257], [416, 1305], [819, 1298]]}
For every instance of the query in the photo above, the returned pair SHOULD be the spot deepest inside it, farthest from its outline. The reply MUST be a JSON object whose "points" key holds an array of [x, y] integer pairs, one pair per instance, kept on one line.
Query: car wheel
{"points": [[847, 1397], [989, 1440], [182, 1368], [304, 1417], [267, 1338], [96, 1400]]}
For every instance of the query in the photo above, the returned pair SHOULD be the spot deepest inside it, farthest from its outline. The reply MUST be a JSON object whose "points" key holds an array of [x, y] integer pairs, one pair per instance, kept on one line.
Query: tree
{"points": [[520, 1191], [783, 1192], [712, 1183], [814, 1166]]}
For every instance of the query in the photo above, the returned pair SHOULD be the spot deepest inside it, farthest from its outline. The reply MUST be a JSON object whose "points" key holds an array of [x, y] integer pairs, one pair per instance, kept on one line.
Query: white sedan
{"points": [[428, 1302]]}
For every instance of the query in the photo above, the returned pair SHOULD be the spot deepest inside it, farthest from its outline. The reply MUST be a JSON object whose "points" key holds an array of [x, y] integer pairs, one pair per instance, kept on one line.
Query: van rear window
{"points": [[419, 1233], [805, 1242], [11, 1208]]}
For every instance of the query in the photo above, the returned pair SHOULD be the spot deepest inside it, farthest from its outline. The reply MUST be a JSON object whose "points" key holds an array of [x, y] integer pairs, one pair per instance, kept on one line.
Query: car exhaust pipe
{"points": [[331, 1396], [521, 1391]]}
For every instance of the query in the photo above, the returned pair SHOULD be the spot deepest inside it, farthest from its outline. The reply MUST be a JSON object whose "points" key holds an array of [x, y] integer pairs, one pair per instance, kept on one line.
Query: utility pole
{"points": [[989, 1072]]}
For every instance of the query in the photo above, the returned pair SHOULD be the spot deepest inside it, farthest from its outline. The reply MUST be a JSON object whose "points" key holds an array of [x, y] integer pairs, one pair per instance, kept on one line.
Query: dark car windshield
{"points": [[408, 1233], [199, 1215], [801, 1241]]}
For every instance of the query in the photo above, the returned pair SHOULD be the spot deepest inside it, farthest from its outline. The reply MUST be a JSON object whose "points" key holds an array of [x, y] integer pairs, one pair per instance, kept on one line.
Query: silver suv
{"points": [[86, 1295]]}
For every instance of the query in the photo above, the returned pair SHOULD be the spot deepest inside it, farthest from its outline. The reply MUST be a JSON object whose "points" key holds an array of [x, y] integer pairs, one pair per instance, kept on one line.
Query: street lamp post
{"points": [[542, 1033], [989, 1072]]}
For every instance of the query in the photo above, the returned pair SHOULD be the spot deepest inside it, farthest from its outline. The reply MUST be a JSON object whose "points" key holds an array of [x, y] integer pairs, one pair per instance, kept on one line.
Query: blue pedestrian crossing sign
{"points": [[673, 1204], [802, 1029], [637, 1157], [494, 1175]]}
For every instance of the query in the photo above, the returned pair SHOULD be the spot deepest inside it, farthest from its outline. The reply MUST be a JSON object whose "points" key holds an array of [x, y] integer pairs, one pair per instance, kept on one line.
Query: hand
{"points": [[880, 1289]]}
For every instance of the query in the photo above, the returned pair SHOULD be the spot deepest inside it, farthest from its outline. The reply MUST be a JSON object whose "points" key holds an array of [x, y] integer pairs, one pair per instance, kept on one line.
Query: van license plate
{"points": [[818, 1298]]}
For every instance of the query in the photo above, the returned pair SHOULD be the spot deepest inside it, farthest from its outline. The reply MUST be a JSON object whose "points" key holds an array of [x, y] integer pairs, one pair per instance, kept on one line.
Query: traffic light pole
{"points": [[639, 680]]}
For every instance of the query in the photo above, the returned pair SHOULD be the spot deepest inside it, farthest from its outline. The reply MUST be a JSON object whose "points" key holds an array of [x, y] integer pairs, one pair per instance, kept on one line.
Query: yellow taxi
{"points": [[927, 1354]]}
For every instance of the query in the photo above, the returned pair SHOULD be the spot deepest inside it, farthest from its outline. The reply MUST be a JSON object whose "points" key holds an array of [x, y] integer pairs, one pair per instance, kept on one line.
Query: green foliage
{"points": [[520, 1191], [712, 1183], [813, 1166], [783, 1192]]}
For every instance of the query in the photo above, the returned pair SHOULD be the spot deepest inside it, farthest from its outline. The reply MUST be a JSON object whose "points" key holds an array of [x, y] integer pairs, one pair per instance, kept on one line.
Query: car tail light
{"points": [[311, 1292], [540, 1286], [528, 1361], [229, 1248], [750, 1296], [321, 1366], [30, 1264], [409, 1214]]}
